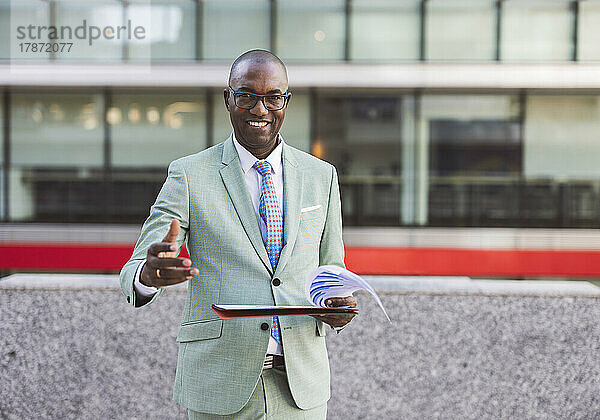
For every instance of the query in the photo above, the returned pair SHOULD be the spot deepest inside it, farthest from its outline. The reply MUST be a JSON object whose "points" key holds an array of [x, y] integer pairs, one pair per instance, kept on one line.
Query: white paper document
{"points": [[329, 281]]}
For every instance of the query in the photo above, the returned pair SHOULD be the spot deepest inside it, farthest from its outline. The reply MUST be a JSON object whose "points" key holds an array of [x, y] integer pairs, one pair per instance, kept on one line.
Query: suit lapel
{"points": [[292, 198], [235, 184]]}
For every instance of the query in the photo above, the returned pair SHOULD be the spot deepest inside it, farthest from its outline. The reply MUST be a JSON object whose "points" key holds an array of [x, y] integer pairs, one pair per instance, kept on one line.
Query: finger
{"points": [[352, 302], [335, 320], [170, 282], [345, 301], [342, 301], [173, 232], [160, 277], [159, 262], [175, 273], [322, 318], [333, 317], [338, 317], [158, 247]]}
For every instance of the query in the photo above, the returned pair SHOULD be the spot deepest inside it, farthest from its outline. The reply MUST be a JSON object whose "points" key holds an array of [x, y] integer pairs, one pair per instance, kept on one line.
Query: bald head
{"points": [[254, 57], [258, 76]]}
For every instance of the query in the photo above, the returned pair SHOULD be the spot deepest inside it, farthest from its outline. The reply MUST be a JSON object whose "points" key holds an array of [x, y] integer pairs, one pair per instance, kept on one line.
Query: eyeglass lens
{"points": [[249, 100]]}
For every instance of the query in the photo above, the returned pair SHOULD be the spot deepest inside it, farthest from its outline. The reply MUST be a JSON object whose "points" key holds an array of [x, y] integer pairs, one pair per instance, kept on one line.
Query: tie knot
{"points": [[263, 167]]}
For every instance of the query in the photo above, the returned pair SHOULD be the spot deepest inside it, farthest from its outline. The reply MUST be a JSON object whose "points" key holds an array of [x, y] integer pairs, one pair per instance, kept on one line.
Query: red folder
{"points": [[246, 311]]}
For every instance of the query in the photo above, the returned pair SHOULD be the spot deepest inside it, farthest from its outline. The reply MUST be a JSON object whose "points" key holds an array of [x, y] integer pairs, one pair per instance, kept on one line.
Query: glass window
{"points": [[536, 30], [474, 156], [475, 135], [460, 30], [169, 30], [561, 137], [589, 31], [2, 193], [560, 161], [361, 136], [56, 130], [5, 30], [151, 130], [231, 27], [27, 18], [97, 23], [310, 29], [56, 142], [296, 127], [384, 30], [221, 123]]}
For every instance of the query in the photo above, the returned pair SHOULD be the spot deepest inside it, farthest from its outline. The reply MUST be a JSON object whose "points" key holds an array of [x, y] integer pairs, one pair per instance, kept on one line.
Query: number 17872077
{"points": [[45, 47]]}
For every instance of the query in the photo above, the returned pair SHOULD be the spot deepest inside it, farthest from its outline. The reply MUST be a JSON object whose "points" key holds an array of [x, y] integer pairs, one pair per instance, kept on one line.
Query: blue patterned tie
{"points": [[270, 212]]}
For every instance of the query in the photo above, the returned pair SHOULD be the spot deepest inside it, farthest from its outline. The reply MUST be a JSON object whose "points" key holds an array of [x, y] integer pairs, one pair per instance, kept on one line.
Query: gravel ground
{"points": [[76, 354]]}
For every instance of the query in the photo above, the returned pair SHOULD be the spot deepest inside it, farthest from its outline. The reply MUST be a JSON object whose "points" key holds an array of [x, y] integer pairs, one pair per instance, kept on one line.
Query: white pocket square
{"points": [[311, 208]]}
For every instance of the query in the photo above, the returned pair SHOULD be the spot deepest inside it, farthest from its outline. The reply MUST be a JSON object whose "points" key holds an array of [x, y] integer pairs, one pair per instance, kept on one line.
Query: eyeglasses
{"points": [[247, 100]]}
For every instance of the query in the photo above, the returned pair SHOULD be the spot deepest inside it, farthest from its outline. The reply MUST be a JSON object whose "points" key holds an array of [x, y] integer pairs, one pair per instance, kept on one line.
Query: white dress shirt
{"points": [[253, 182]]}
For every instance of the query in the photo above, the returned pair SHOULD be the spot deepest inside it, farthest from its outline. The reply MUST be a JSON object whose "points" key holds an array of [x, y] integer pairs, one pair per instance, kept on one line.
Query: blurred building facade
{"points": [[469, 114]]}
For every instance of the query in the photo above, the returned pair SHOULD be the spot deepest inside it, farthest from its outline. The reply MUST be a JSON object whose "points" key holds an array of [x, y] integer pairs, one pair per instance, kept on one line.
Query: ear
{"points": [[288, 99], [226, 98]]}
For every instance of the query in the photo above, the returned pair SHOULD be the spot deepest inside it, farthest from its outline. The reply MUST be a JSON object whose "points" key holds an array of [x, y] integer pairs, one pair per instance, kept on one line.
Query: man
{"points": [[258, 217]]}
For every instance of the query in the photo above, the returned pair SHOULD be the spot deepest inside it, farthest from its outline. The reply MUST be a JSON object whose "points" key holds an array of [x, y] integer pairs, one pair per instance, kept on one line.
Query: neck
{"points": [[262, 154], [259, 152]]}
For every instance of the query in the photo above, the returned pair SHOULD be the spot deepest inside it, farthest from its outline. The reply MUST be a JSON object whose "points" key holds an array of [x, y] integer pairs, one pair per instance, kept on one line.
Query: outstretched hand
{"points": [[163, 267], [338, 320]]}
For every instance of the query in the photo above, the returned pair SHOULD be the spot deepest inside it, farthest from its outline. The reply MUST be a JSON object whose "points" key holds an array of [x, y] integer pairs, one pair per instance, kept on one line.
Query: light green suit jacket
{"points": [[220, 361]]}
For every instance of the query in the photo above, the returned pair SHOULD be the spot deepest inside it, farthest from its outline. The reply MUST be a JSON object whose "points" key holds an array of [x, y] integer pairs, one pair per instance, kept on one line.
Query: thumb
{"points": [[173, 232]]}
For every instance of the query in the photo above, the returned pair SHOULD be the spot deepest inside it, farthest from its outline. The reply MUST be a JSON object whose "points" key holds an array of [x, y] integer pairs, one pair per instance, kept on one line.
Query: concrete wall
{"points": [[79, 354]]}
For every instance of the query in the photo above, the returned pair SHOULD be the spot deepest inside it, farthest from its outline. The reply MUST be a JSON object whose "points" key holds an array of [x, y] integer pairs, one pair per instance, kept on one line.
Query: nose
{"points": [[259, 109]]}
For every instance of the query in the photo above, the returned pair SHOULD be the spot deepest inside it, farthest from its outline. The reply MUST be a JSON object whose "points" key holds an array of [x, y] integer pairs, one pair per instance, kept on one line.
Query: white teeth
{"points": [[257, 123]]}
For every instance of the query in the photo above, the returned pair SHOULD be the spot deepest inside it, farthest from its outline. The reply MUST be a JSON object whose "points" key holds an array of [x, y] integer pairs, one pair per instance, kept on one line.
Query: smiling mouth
{"points": [[259, 124]]}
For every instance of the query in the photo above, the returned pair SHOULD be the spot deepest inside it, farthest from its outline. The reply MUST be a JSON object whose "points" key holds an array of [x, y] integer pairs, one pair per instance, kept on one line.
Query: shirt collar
{"points": [[247, 159]]}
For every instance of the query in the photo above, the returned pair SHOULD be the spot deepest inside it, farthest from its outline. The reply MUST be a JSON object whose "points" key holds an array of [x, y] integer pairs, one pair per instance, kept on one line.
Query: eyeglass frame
{"points": [[258, 97]]}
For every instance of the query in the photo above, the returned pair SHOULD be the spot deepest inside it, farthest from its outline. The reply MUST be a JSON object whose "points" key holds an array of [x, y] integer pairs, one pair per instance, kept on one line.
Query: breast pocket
{"points": [[201, 330], [311, 224], [312, 212]]}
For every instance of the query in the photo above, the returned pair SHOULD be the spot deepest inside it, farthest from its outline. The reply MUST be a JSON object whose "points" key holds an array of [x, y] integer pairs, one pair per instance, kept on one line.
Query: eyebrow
{"points": [[247, 89]]}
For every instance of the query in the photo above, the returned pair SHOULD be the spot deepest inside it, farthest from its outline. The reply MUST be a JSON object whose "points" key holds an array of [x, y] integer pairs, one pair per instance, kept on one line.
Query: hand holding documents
{"points": [[325, 282], [329, 281]]}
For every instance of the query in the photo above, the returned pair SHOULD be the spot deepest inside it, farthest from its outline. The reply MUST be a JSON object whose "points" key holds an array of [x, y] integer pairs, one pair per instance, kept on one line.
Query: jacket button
{"points": [[264, 326], [276, 282]]}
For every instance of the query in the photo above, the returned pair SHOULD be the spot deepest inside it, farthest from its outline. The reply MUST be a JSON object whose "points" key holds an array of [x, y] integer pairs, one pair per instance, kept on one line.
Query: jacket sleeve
{"points": [[331, 249], [172, 202]]}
